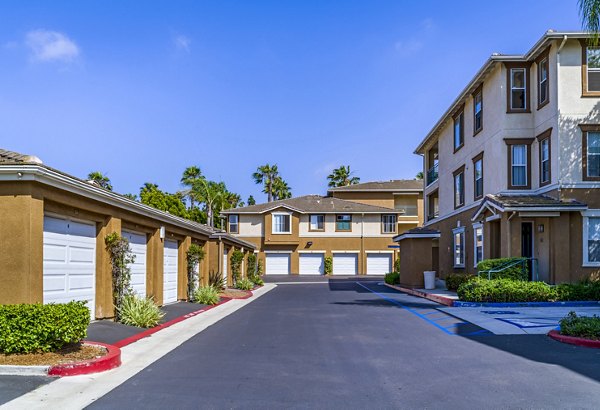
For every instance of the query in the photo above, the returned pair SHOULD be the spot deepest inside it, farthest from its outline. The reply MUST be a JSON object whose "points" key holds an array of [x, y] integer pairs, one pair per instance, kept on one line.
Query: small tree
{"points": [[121, 257], [259, 268], [397, 265], [328, 265], [237, 257], [195, 255], [251, 265]]}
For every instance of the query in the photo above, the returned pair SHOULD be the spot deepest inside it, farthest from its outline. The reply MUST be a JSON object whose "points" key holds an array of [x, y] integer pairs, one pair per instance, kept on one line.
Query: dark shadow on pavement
{"points": [[12, 387]]}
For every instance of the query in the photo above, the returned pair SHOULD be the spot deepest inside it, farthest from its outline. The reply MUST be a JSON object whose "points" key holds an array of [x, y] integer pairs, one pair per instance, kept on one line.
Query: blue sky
{"points": [[140, 90]]}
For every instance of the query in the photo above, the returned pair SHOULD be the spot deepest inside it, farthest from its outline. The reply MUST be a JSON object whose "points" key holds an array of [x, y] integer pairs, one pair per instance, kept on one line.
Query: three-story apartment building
{"points": [[294, 236], [512, 168]]}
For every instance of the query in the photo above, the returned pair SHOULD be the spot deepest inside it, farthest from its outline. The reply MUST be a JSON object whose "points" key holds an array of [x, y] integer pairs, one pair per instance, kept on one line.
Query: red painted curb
{"points": [[436, 298], [111, 360], [572, 340], [146, 333]]}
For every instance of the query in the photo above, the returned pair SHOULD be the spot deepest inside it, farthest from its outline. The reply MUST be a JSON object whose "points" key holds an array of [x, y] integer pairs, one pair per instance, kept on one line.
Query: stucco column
{"points": [[104, 280], [182, 268], [21, 239], [560, 270], [155, 267]]}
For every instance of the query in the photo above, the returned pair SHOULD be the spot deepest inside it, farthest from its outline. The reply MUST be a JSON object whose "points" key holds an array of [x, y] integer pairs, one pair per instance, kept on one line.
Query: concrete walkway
{"points": [[517, 321], [77, 392]]}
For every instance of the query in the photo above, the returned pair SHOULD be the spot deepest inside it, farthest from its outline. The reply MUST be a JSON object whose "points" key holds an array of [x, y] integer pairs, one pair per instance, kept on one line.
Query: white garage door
{"points": [[311, 264], [137, 242], [345, 264], [379, 263], [69, 268], [277, 264], [170, 272]]}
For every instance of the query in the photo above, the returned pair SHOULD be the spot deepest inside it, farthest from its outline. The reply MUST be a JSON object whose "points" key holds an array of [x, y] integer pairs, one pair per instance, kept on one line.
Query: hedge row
{"points": [[27, 328], [508, 290], [454, 280]]}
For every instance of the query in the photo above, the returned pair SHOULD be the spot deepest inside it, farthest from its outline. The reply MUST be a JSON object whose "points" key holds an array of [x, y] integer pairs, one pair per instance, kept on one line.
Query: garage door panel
{"points": [[345, 264], [277, 264], [312, 264], [69, 267], [137, 243], [170, 272], [379, 264]]}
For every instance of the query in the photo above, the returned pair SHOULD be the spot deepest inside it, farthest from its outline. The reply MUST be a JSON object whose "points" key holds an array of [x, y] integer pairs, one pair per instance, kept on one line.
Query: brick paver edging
{"points": [[435, 298], [578, 341], [111, 360], [458, 303]]}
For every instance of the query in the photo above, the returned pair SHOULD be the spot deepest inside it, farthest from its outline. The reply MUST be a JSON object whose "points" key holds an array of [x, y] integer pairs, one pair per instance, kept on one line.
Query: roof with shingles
{"points": [[534, 201], [11, 157], [312, 204], [393, 185]]}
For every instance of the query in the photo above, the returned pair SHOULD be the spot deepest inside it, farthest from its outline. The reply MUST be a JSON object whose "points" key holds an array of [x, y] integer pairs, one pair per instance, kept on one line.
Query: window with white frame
{"points": [[518, 165], [477, 112], [234, 225], [459, 247], [593, 154], [545, 160], [282, 223], [317, 222], [593, 68], [388, 223], [543, 81], [518, 89], [478, 243], [591, 239]]}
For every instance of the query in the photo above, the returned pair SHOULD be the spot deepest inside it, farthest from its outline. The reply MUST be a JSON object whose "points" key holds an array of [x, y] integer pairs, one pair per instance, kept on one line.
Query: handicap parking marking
{"points": [[533, 322]]}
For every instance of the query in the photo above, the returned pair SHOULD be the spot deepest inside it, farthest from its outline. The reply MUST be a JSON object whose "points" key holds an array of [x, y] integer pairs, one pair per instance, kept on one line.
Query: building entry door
{"points": [[527, 245]]}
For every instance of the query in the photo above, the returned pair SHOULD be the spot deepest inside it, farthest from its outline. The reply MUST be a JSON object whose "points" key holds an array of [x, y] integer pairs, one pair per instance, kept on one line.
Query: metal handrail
{"points": [[432, 174], [522, 262]]}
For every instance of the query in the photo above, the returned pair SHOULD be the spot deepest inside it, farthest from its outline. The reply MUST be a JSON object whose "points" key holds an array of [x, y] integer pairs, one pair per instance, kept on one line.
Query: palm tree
{"points": [[281, 190], [190, 176], [589, 11], [251, 201], [419, 175], [266, 175], [212, 194], [342, 176], [99, 178], [233, 200]]}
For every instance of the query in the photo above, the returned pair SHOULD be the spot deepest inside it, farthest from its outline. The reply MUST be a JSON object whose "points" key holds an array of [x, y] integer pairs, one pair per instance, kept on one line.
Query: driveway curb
{"points": [[109, 361], [434, 298], [572, 340], [586, 303]]}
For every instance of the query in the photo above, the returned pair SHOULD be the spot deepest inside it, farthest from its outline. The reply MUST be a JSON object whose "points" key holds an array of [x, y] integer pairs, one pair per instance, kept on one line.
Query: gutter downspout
{"points": [[562, 44]]}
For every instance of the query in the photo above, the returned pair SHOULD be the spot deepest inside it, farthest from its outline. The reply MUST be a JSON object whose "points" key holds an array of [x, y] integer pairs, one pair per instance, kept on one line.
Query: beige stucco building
{"points": [[354, 225], [52, 240], [512, 168]]}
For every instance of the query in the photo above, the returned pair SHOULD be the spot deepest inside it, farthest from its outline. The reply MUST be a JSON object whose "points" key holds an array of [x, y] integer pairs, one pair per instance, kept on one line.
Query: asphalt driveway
{"points": [[341, 344]]}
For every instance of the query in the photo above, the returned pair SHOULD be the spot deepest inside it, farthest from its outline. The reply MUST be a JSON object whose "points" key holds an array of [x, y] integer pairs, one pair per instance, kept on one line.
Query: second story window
{"points": [[544, 143], [317, 223], [517, 89], [478, 176], [477, 111], [234, 225], [388, 223], [519, 158], [459, 247], [282, 223], [459, 137], [343, 223], [433, 205], [543, 82], [592, 155], [459, 187]]}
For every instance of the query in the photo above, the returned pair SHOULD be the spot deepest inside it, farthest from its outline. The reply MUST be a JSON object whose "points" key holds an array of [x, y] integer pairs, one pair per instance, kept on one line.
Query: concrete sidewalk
{"points": [[77, 392]]}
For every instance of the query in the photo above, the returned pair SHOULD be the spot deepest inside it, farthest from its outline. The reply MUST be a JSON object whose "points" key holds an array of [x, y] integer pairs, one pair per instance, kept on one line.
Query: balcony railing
{"points": [[432, 174]]}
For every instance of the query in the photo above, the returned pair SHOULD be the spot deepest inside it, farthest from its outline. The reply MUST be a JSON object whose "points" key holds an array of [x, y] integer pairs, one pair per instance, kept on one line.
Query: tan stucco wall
{"points": [[416, 258], [385, 199], [22, 208]]}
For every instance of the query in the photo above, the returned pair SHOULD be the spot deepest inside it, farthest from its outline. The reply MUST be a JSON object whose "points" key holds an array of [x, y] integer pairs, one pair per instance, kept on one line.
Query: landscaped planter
{"points": [[460, 303]]}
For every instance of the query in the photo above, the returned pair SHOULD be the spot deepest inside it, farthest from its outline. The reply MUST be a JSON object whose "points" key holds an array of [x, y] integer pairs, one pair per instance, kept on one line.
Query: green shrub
{"points": [[207, 295], [397, 265], [244, 284], [586, 290], [236, 258], [194, 256], [27, 328], [140, 312], [454, 280], [505, 290], [259, 268], [257, 280], [251, 265], [516, 272], [580, 326], [392, 278], [216, 280], [328, 265]]}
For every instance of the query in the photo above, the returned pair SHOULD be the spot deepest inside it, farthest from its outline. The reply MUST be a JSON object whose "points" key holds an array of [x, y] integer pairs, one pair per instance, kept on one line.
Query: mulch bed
{"points": [[72, 353], [235, 293]]}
